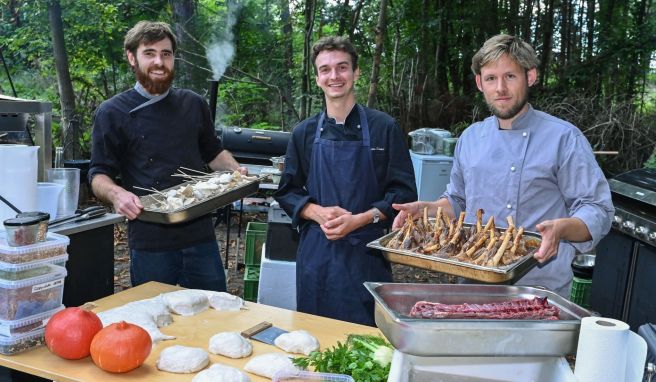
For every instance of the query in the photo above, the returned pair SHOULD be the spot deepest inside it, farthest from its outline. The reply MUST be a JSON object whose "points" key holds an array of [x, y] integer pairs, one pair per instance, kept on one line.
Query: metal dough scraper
{"points": [[263, 332]]}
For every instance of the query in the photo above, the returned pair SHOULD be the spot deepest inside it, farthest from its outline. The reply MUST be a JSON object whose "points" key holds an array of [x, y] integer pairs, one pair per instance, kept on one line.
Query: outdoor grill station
{"points": [[426, 350]]}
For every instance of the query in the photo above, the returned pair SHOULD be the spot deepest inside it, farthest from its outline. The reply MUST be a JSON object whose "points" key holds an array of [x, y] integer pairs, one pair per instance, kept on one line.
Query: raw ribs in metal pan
{"points": [[521, 309]]}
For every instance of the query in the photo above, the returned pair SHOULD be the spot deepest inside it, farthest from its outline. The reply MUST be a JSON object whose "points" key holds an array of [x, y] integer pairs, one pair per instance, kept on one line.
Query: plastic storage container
{"points": [[27, 297], [27, 324], [54, 245], [251, 283], [22, 342], [11, 272], [256, 234], [309, 376], [427, 140]]}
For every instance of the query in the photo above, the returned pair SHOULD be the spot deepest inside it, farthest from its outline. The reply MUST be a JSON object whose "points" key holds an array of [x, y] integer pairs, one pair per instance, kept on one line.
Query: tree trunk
{"points": [[590, 29], [69, 124], [183, 25], [356, 18], [380, 38], [547, 29], [288, 62], [441, 51], [307, 65], [344, 12]]}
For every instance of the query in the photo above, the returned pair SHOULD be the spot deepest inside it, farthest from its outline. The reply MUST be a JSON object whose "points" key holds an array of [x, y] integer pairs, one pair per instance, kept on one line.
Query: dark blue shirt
{"points": [[146, 147], [389, 151]]}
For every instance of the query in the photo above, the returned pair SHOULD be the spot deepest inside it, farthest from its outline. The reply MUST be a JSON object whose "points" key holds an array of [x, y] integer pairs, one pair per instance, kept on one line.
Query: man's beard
{"points": [[512, 112], [157, 86]]}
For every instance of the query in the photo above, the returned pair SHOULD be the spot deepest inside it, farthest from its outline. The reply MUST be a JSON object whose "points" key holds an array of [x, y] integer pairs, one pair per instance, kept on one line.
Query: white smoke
{"points": [[222, 49]]}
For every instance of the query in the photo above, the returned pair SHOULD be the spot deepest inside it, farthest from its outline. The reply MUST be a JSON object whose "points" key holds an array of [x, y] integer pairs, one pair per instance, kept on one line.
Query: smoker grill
{"points": [[623, 283], [252, 145]]}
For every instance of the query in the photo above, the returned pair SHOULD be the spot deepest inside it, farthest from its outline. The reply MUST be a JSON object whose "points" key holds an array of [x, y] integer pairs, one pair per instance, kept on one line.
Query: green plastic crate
{"points": [[256, 234], [580, 294], [251, 283]]}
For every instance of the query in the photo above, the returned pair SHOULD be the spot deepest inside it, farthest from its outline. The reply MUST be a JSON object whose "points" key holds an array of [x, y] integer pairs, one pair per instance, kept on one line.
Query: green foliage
{"points": [[366, 358]]}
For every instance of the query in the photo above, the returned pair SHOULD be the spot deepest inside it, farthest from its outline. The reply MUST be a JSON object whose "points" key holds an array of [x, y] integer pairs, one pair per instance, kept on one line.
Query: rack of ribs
{"points": [[537, 308]]}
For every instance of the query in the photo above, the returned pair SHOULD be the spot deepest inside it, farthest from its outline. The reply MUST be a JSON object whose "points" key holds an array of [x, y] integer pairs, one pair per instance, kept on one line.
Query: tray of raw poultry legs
{"points": [[200, 194], [482, 252]]}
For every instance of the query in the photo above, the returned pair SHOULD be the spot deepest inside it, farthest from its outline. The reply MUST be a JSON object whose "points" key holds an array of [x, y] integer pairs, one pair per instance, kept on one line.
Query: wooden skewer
{"points": [[191, 169], [426, 216], [150, 190]]}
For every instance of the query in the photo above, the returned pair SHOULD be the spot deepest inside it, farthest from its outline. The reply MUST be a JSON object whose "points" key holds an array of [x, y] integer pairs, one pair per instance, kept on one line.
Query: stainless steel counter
{"points": [[71, 228]]}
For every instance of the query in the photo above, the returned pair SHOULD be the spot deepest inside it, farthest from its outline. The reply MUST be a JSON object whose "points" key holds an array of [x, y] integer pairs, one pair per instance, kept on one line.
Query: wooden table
{"points": [[189, 331]]}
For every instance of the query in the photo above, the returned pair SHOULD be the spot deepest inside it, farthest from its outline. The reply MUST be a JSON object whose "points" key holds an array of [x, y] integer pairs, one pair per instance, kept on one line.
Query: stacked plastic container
{"points": [[31, 290]]}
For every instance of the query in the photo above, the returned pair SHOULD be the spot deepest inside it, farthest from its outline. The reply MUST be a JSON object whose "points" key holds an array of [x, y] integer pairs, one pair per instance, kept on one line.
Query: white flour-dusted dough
{"points": [[230, 344], [223, 301], [136, 315], [221, 373], [269, 364], [182, 359], [298, 341], [155, 307], [186, 302]]}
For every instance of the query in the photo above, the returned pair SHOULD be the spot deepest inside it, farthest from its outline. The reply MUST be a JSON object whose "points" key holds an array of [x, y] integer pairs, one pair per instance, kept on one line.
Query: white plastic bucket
{"points": [[47, 197]]}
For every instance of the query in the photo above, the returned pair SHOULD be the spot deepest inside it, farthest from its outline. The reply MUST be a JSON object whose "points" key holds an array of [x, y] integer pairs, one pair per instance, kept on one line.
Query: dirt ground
{"points": [[235, 276]]}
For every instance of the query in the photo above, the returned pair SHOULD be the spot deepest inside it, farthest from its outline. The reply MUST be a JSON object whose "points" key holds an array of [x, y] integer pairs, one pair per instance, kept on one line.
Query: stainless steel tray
{"points": [[505, 273], [465, 337], [196, 209]]}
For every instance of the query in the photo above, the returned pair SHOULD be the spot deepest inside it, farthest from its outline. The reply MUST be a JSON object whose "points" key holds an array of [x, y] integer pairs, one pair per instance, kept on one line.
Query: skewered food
{"points": [[525, 309], [450, 239], [199, 188]]}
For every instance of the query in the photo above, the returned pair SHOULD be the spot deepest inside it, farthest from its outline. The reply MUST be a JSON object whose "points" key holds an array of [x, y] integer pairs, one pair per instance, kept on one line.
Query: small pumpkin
{"points": [[120, 347], [69, 332]]}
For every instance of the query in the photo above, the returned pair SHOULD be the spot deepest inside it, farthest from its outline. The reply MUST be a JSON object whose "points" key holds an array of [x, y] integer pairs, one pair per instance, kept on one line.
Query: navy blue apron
{"points": [[330, 273]]}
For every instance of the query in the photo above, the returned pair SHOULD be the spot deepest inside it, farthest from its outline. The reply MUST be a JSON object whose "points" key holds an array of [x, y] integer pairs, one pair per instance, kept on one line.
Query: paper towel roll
{"points": [[609, 351], [18, 175]]}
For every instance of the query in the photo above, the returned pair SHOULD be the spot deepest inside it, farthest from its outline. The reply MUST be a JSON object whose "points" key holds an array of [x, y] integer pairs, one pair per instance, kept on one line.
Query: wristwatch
{"points": [[376, 215]]}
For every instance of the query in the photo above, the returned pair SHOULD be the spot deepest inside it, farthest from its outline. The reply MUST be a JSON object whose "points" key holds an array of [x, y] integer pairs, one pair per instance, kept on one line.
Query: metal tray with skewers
{"points": [[157, 210], [488, 254]]}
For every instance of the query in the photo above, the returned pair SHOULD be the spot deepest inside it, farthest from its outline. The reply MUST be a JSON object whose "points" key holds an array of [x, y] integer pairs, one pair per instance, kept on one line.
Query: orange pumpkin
{"points": [[69, 332], [120, 347]]}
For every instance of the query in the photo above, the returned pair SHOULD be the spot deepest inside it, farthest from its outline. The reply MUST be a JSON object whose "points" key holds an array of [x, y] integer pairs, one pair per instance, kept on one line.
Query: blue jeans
{"points": [[195, 267]]}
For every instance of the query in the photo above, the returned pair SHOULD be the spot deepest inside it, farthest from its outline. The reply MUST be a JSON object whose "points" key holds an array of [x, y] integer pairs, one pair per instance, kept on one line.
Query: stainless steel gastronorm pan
{"points": [[502, 274], [152, 213], [468, 337]]}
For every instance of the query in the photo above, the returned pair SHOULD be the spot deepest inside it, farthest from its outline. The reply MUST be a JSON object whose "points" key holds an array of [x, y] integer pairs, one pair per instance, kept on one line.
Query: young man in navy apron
{"points": [[144, 135], [344, 168]]}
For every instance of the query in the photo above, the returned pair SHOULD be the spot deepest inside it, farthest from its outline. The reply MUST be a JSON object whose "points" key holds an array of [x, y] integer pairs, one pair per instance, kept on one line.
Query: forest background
{"points": [[597, 61]]}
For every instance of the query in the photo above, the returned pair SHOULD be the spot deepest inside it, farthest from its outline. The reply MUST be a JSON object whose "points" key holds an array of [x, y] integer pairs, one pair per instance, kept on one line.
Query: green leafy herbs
{"points": [[367, 358]]}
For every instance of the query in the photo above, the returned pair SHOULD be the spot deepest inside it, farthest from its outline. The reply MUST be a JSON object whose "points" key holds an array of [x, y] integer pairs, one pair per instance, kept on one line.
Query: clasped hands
{"points": [[335, 222]]}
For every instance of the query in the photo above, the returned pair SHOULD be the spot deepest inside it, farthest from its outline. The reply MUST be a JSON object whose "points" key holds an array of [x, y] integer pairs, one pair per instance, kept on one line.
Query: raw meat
{"points": [[520, 309], [230, 344]]}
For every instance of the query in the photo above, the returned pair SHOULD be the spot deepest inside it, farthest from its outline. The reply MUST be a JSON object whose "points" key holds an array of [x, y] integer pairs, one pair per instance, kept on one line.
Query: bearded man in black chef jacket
{"points": [[144, 135], [344, 168]]}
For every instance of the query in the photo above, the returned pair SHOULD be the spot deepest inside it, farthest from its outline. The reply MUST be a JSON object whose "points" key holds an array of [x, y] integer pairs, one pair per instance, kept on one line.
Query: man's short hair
{"points": [[331, 43], [518, 50], [148, 32]]}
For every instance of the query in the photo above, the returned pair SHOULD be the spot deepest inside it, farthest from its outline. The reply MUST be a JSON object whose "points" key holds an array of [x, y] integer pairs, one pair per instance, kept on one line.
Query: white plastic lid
{"points": [[9, 267], [53, 240], [56, 272]]}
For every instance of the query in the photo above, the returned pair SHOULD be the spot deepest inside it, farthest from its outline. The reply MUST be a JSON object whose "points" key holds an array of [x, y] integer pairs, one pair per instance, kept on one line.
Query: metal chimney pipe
{"points": [[214, 91]]}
